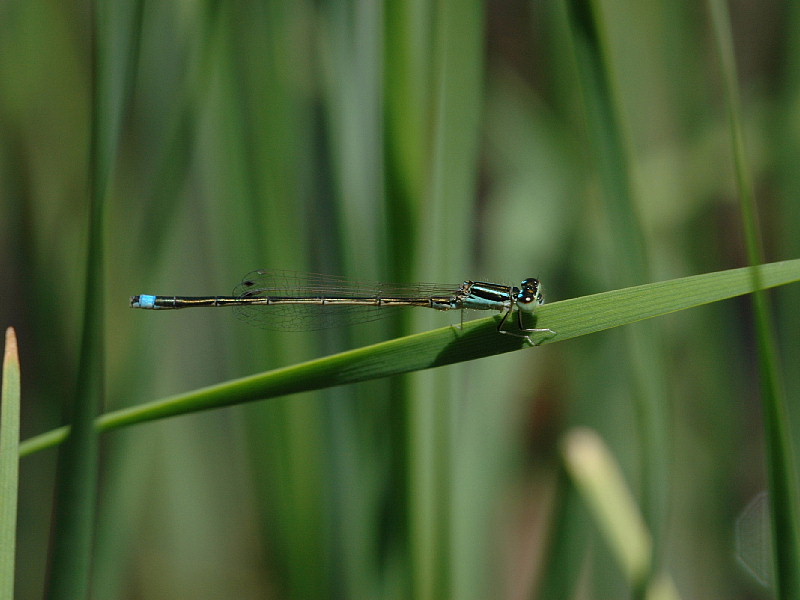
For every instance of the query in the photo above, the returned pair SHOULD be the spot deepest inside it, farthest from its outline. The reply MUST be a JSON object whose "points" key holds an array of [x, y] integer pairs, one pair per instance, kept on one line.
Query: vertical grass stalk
{"points": [[781, 467], [9, 463]]}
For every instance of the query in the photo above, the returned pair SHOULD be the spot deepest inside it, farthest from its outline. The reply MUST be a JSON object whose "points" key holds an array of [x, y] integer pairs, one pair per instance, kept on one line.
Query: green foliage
{"points": [[9, 463], [581, 142]]}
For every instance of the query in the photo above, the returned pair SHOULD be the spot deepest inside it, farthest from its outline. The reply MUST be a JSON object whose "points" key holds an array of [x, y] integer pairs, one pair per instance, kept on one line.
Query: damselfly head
{"points": [[530, 294]]}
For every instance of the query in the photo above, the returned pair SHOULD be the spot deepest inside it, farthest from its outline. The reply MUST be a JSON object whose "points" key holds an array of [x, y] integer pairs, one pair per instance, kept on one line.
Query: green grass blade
{"points": [[448, 345], [74, 510], [599, 478], [445, 212], [611, 155], [9, 464], [785, 493]]}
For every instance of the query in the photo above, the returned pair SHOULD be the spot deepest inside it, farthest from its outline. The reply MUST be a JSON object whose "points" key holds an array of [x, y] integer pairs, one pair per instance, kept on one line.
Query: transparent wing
{"points": [[310, 317]]}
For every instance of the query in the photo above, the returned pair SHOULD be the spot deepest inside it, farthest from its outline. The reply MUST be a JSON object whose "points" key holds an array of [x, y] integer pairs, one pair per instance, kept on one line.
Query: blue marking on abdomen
{"points": [[147, 301]]}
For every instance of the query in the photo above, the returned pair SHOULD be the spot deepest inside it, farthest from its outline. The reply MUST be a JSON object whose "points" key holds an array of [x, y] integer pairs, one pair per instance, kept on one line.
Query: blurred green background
{"points": [[402, 141]]}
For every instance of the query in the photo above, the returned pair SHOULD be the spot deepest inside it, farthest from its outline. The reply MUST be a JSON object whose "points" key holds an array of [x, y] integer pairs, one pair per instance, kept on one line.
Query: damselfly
{"points": [[286, 300]]}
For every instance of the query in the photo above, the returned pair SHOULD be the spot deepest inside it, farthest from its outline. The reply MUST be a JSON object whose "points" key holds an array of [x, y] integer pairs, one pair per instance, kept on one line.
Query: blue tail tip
{"points": [[143, 301]]}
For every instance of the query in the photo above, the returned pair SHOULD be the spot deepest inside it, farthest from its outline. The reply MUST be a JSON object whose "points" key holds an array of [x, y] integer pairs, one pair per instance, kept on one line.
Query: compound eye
{"points": [[530, 293]]}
